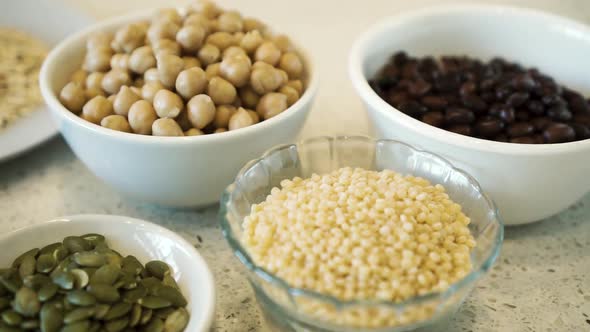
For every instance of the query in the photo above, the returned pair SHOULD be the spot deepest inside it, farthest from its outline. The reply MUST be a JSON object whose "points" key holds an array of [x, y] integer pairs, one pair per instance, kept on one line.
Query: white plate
{"points": [[50, 21]]}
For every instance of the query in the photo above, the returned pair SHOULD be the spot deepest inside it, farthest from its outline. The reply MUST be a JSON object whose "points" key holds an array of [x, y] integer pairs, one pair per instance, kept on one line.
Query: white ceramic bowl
{"points": [[170, 171], [527, 182], [144, 240]]}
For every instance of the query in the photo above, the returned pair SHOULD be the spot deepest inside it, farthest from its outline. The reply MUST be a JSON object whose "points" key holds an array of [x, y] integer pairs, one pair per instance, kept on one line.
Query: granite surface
{"points": [[541, 281]]}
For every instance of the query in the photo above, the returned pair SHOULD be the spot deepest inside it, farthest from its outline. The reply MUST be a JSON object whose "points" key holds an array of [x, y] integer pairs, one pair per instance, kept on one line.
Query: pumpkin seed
{"points": [[27, 266], [60, 253], [80, 278], [133, 295], [132, 265], [171, 294], [151, 284], [94, 327], [176, 321], [3, 290], [31, 324], [64, 279], [50, 248], [155, 325], [154, 302], [146, 316], [4, 303], [11, 317], [106, 274], [76, 244], [104, 293], [118, 310], [158, 269], [10, 280], [6, 328], [33, 252], [94, 239], [168, 280], [135, 315], [81, 298], [26, 302], [117, 325], [80, 326], [164, 312], [78, 314], [47, 292], [89, 259], [36, 281], [101, 310], [46, 263]]}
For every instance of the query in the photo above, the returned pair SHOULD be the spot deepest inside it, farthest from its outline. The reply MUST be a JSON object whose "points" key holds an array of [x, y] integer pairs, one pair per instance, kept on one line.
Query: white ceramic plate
{"points": [[129, 236], [49, 21]]}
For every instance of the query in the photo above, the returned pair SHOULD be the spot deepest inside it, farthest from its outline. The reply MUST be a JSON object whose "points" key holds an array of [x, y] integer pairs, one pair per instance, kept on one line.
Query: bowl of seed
{"points": [[102, 273], [356, 234]]}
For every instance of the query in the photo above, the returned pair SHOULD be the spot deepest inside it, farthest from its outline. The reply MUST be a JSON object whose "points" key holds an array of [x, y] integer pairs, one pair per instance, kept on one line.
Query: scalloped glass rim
{"points": [[243, 256]]}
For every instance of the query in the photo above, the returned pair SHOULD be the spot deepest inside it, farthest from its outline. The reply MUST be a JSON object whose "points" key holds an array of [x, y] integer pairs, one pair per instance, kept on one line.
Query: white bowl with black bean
{"points": [[94, 272], [126, 93]]}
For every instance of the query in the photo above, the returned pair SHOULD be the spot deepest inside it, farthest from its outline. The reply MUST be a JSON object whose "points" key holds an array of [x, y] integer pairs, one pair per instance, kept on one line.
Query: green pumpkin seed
{"points": [[94, 327], [113, 258], [101, 310], [106, 274], [132, 265], [6, 328], [60, 253], [164, 312], [33, 252], [135, 315], [118, 310], [31, 324], [155, 325], [47, 292], [3, 290], [4, 303], [154, 302], [80, 278], [50, 248], [157, 269], [151, 284], [27, 266], [104, 293], [171, 294], [133, 295], [11, 317], [78, 314], [26, 302], [146, 316], [36, 281], [176, 321], [94, 239], [12, 284], [117, 325], [81, 298], [168, 280], [76, 244], [46, 263], [80, 326], [64, 279], [89, 259]]}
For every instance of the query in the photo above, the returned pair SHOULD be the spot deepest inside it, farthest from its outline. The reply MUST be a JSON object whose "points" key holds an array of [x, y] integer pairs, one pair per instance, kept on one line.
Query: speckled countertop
{"points": [[541, 281]]}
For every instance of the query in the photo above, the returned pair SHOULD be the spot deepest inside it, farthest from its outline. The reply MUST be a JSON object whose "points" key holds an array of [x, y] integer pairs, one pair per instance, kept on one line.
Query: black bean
{"points": [[552, 99], [520, 129], [578, 104], [541, 123], [396, 98], [488, 96], [507, 114], [523, 82], [487, 84], [458, 115], [501, 138], [467, 88], [488, 127], [410, 69], [582, 131], [559, 133], [559, 113], [419, 88], [474, 102], [436, 119], [461, 129], [535, 107], [521, 115], [447, 82], [524, 140], [503, 92], [413, 108], [399, 58], [582, 118], [434, 102], [518, 98]]}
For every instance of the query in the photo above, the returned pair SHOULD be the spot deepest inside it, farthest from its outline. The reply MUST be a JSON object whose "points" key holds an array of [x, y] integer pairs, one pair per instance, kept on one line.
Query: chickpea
{"points": [[296, 84], [222, 115], [191, 82], [240, 119], [207, 8], [136, 90], [213, 70], [79, 76], [236, 70], [248, 97], [138, 82], [291, 93], [238, 36], [265, 79], [169, 66], [114, 79], [141, 117], [128, 38], [271, 104], [183, 121], [116, 122], [166, 46], [193, 132], [291, 63], [230, 21], [120, 61], [197, 19], [73, 97], [166, 127], [94, 81], [96, 109], [283, 75], [97, 60], [162, 30], [151, 75], [209, 54], [283, 43], [201, 111], [261, 64], [125, 98], [255, 117], [221, 91], [268, 52], [251, 24], [111, 98], [149, 90], [141, 60], [191, 62], [221, 40], [93, 92], [251, 41], [167, 104], [234, 51], [99, 40], [167, 14], [237, 102], [191, 37], [220, 130]]}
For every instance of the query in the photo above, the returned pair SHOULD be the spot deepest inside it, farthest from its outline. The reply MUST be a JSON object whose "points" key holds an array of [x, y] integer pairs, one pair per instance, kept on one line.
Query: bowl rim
{"points": [[376, 104], [51, 99], [242, 254], [208, 290]]}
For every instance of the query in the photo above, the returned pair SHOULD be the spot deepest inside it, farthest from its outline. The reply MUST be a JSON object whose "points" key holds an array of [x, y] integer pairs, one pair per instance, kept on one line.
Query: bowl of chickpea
{"points": [[166, 106]]}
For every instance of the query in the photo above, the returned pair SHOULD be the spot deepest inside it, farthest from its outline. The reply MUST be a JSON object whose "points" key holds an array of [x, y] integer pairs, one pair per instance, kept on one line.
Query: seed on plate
{"points": [[157, 269], [46, 263], [80, 298], [47, 292], [26, 302], [104, 293], [154, 302]]}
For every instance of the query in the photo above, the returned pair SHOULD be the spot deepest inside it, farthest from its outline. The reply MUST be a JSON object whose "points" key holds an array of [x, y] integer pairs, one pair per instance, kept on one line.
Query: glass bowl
{"points": [[291, 309]]}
